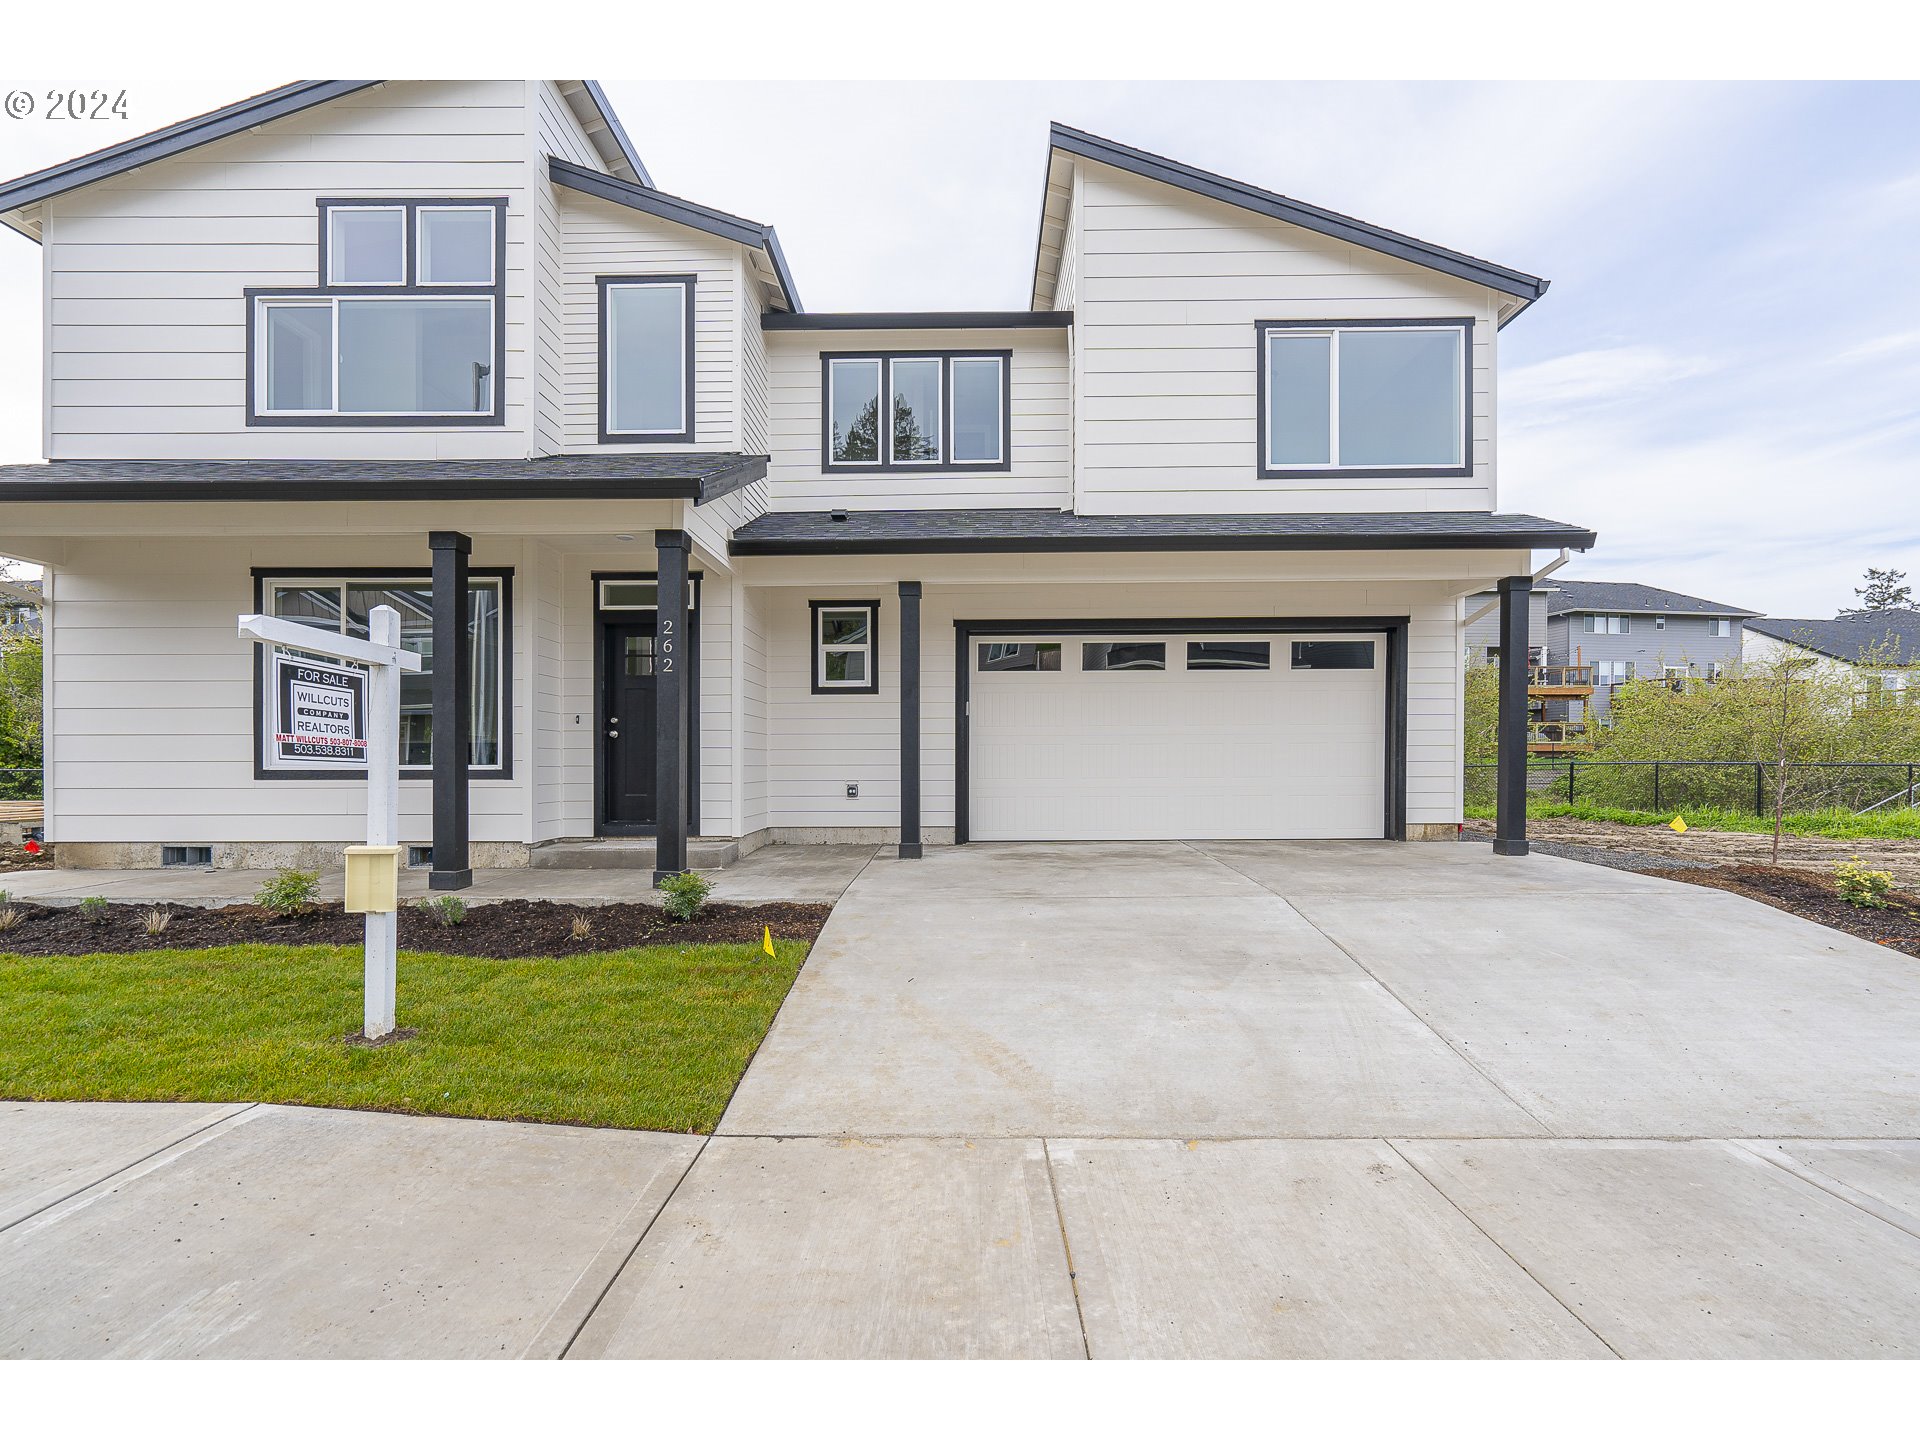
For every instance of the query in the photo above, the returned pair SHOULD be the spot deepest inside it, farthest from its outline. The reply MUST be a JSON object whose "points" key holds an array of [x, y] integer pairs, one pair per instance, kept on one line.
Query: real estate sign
{"points": [[319, 714]]}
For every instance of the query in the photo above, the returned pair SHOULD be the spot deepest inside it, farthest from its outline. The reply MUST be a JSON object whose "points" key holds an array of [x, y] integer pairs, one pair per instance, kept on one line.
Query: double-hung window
{"points": [[404, 327], [1365, 397], [918, 411], [1607, 624], [646, 359], [340, 604], [845, 647]]}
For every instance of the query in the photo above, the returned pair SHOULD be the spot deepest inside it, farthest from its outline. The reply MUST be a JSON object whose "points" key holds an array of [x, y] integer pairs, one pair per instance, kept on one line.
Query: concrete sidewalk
{"points": [[236, 1231], [799, 874]]}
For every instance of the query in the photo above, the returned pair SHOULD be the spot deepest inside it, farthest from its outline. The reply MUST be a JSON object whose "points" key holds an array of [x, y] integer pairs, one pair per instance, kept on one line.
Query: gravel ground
{"points": [[1654, 847]]}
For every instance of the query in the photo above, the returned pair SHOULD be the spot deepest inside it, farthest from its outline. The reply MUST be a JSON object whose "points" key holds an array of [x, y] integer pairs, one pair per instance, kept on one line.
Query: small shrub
{"points": [[94, 909], [1860, 886], [582, 927], [289, 890], [686, 894], [9, 917], [157, 921], [448, 910]]}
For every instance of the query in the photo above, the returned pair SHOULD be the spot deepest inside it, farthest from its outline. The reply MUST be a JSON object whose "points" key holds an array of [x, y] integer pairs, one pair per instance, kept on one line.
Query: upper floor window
{"points": [[943, 411], [405, 326], [1607, 624], [1720, 629], [646, 358], [1365, 397]]}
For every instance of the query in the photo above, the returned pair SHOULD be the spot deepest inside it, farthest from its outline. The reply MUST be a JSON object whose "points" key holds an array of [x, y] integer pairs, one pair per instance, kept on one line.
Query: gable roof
{"points": [[1064, 140], [1852, 637], [587, 100], [750, 233], [1623, 597]]}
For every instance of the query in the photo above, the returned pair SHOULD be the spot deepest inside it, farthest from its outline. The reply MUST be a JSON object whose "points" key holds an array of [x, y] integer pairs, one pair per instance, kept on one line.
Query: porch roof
{"points": [[696, 477], [924, 532]]}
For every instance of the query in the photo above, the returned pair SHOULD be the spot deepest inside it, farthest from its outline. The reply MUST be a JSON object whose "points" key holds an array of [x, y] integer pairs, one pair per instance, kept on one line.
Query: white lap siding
{"points": [[146, 319], [819, 744], [152, 699]]}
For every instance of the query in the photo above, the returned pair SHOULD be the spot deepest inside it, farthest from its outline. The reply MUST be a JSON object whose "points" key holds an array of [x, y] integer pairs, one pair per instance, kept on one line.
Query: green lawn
{"points": [[651, 1039], [1889, 824]]}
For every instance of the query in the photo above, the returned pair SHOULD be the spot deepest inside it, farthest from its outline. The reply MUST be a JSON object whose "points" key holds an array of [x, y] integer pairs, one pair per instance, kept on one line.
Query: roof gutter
{"points": [[1538, 575]]}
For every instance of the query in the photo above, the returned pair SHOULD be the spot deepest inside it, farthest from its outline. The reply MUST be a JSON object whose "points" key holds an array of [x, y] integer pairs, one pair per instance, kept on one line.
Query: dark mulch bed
{"points": [[1812, 896], [505, 929]]}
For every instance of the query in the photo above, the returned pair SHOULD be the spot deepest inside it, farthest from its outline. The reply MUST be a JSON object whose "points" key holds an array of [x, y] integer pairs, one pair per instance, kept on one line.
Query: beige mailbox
{"points": [[373, 879]]}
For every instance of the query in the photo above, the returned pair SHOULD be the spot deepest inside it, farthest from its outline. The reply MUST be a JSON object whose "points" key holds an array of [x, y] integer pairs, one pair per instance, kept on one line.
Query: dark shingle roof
{"points": [[1624, 597], [1889, 635], [552, 477], [922, 532]]}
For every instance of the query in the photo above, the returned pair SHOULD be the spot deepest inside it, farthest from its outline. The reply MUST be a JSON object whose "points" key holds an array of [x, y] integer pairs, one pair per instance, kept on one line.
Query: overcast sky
{"points": [[1724, 380]]}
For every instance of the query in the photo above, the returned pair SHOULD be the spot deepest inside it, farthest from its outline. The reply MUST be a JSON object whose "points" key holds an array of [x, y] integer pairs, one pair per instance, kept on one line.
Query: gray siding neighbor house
{"points": [[1483, 635], [1628, 631], [1881, 646]]}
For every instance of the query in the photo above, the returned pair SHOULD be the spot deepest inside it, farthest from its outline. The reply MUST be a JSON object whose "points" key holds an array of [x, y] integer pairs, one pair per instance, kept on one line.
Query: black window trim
{"points": [[264, 574], [603, 285], [411, 205], [816, 652], [886, 465], [1462, 323]]}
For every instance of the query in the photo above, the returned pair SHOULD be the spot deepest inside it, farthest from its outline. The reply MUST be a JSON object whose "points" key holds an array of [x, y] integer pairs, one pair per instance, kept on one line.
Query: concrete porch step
{"points": [[627, 853]]}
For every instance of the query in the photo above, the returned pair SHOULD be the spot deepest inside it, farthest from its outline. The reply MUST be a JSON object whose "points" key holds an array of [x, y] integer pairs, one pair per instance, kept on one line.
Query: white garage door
{"points": [[1177, 737]]}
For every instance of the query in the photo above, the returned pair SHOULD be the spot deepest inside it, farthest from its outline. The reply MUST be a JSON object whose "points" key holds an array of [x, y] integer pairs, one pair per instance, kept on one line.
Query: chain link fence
{"points": [[1745, 785]]}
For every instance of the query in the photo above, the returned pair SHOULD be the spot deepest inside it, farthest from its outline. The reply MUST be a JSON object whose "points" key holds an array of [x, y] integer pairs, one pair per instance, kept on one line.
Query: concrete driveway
{"points": [[1127, 1100]]}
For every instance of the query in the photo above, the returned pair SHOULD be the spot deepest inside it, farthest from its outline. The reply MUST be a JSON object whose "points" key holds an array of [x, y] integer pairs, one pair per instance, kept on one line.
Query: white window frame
{"points": [[868, 648], [325, 580], [265, 303], [1463, 441], [999, 363], [1606, 624], [333, 250], [682, 432], [610, 607], [1719, 628], [879, 366], [939, 457], [420, 249]]}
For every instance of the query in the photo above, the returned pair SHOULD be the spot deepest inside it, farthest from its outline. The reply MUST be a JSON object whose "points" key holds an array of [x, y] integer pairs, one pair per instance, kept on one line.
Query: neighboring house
{"points": [[1482, 635], [1880, 646], [19, 607], [1177, 549], [1626, 631]]}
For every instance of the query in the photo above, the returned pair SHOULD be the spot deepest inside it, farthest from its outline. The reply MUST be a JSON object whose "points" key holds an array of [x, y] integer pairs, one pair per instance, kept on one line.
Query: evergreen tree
{"points": [[1884, 590]]}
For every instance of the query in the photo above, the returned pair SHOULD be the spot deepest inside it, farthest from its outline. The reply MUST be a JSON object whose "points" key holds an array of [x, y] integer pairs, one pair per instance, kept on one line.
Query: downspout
{"points": [[1538, 575]]}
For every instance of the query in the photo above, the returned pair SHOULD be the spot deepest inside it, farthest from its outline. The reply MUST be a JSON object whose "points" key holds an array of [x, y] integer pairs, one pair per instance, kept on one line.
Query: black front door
{"points": [[627, 708]]}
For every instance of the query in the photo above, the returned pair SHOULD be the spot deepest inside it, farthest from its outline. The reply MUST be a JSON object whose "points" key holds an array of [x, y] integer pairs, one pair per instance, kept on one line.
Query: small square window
{"points": [[845, 645], [456, 246], [367, 245]]}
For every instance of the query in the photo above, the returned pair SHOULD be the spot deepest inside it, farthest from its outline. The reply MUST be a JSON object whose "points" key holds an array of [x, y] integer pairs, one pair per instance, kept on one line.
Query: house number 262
{"points": [[666, 647]]}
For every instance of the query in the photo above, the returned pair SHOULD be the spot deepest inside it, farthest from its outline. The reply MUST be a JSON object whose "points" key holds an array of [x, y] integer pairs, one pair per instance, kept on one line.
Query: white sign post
{"points": [[312, 714]]}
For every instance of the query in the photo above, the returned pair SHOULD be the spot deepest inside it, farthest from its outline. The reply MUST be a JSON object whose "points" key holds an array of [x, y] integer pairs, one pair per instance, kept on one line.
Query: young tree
{"points": [[19, 714], [1884, 590]]}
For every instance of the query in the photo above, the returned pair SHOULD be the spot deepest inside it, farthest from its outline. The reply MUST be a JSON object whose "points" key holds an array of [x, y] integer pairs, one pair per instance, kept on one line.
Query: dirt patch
{"points": [[1726, 847], [502, 930], [13, 861], [1813, 897], [359, 1041]]}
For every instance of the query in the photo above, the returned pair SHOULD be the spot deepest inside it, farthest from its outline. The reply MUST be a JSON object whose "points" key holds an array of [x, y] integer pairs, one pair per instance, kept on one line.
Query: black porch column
{"points": [[1510, 800], [670, 657], [452, 716], [909, 719]]}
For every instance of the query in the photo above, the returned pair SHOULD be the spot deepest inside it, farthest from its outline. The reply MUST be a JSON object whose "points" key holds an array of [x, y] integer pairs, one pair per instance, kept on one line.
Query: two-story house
{"points": [[1178, 548], [1879, 648], [1626, 631]]}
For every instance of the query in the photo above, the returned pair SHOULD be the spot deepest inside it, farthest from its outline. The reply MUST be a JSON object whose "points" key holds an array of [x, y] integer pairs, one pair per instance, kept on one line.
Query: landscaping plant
{"points": [[9, 917], [582, 927], [685, 894], [93, 909], [449, 910], [157, 921], [288, 891], [1860, 886]]}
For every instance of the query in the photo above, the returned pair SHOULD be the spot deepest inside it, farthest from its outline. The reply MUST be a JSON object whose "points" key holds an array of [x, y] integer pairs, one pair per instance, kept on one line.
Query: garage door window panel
{"points": [[1123, 655], [1229, 655]]}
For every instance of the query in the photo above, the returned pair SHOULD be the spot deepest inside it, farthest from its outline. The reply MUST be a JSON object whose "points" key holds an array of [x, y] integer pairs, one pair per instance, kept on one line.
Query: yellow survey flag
{"points": [[766, 940], [1679, 826]]}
